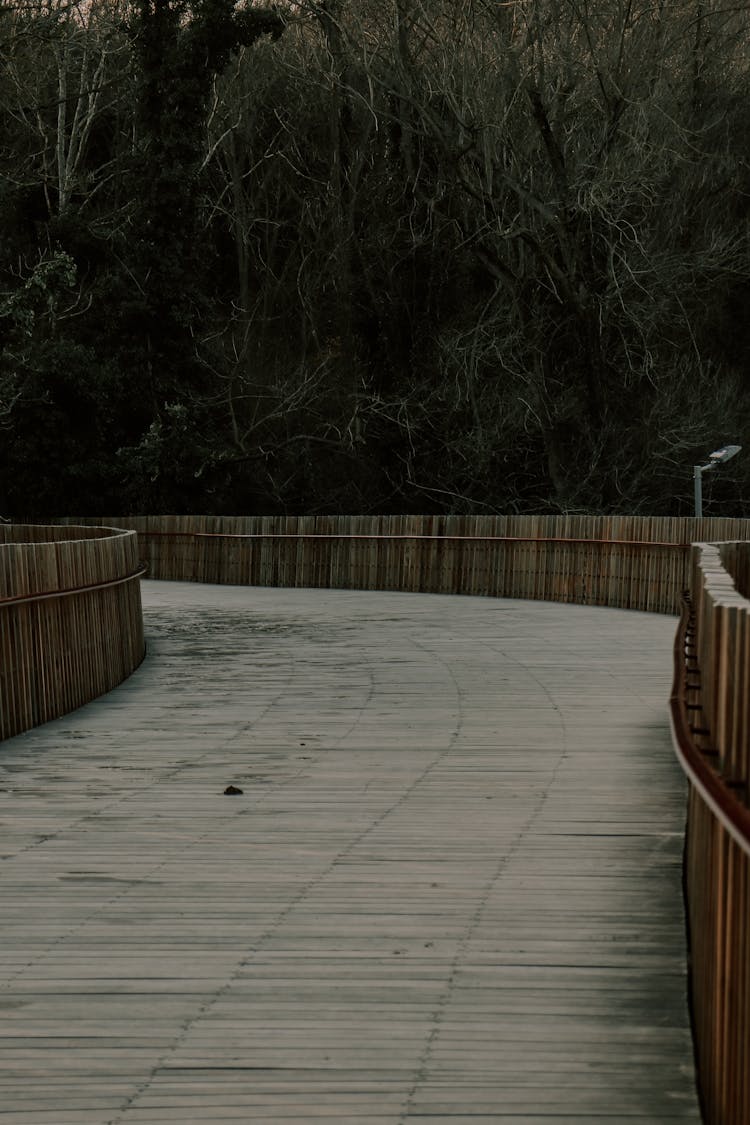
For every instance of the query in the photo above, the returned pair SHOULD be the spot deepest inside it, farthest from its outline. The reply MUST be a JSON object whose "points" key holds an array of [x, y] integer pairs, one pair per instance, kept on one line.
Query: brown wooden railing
{"points": [[71, 625], [710, 713], [631, 562]]}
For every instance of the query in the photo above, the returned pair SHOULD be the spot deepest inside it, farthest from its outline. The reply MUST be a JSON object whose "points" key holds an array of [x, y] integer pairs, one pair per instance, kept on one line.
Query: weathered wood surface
{"points": [[450, 891]]}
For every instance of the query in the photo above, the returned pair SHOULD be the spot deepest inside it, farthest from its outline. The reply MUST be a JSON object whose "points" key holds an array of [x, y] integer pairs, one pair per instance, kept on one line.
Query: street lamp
{"points": [[714, 459]]}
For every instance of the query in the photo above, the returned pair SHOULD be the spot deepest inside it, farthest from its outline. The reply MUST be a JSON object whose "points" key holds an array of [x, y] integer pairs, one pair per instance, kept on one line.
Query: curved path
{"points": [[449, 891]]}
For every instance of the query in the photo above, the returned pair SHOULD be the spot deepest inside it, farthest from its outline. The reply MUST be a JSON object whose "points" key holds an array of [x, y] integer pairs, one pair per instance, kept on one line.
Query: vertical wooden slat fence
{"points": [[630, 562], [71, 625], [709, 710]]}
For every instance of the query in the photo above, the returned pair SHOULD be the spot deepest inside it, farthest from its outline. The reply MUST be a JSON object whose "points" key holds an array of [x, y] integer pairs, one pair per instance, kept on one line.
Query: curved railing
{"points": [[71, 625], [710, 713], [628, 562]]}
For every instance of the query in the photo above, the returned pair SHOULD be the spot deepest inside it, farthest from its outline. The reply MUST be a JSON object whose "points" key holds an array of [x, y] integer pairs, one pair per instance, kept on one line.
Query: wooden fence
{"points": [[71, 625], [710, 711], [630, 562]]}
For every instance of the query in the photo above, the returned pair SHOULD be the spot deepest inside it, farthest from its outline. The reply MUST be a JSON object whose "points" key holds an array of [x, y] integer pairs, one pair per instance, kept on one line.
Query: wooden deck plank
{"points": [[450, 890]]}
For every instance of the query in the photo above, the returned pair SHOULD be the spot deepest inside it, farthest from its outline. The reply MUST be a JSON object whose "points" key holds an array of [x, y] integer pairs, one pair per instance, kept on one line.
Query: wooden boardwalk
{"points": [[449, 892]]}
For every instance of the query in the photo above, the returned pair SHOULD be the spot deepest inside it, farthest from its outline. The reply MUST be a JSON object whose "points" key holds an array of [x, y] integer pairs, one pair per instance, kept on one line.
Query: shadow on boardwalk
{"points": [[449, 891]]}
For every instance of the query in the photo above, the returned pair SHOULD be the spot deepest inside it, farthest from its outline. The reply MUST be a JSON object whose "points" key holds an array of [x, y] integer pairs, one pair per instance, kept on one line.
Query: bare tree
{"points": [[65, 66]]}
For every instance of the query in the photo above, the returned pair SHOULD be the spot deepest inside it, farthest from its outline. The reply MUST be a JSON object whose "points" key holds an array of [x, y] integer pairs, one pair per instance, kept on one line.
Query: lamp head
{"points": [[724, 453]]}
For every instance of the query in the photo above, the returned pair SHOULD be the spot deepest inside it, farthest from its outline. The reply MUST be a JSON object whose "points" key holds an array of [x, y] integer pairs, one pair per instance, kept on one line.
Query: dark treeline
{"points": [[373, 255]]}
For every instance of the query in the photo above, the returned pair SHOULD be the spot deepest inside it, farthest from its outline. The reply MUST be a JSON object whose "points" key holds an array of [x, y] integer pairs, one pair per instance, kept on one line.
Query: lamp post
{"points": [[714, 459]]}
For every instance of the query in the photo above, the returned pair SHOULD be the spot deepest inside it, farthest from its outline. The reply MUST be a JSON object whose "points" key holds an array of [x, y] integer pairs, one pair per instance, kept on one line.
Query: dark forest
{"points": [[355, 256]]}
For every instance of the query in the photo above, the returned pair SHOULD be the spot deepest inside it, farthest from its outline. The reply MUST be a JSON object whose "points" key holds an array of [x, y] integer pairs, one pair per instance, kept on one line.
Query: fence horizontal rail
{"points": [[336, 535], [46, 595]]}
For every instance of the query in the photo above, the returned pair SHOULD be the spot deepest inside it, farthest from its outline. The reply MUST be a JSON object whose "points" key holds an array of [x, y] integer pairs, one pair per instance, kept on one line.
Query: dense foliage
{"points": [[357, 256]]}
